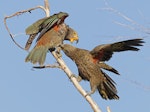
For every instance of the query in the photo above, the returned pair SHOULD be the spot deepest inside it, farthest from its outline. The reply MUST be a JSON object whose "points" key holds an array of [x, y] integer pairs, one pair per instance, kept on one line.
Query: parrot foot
{"points": [[72, 75], [89, 93], [93, 89], [79, 79], [58, 52], [58, 55]]}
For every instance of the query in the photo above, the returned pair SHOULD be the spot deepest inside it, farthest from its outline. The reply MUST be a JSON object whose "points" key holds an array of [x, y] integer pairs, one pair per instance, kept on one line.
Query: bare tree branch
{"points": [[47, 66], [17, 14], [47, 7], [12, 37], [138, 84], [108, 109]]}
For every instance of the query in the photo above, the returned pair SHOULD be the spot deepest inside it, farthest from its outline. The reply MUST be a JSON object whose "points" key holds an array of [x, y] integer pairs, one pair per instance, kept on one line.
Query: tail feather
{"points": [[110, 93], [37, 55], [110, 83], [107, 88], [42, 58]]}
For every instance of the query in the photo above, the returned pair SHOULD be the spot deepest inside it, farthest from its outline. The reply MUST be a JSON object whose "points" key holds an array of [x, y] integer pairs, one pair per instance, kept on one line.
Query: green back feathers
{"points": [[45, 22], [35, 27]]}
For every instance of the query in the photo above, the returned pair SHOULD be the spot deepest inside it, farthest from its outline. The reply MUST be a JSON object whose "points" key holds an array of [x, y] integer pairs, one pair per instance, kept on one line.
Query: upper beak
{"points": [[74, 39]]}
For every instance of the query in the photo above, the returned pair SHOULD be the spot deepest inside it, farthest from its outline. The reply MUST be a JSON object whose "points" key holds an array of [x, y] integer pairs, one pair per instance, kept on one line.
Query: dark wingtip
{"points": [[140, 42], [115, 71]]}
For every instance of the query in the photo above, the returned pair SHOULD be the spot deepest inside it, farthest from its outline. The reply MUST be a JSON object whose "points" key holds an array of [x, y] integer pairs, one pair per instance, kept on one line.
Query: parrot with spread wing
{"points": [[43, 25], [91, 63], [49, 41]]}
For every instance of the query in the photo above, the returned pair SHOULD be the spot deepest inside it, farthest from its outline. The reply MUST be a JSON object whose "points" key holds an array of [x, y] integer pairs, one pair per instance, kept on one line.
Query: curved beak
{"points": [[72, 36], [74, 39]]}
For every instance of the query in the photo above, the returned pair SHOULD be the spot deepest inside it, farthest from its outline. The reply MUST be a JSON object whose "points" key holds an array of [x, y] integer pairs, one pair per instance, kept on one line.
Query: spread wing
{"points": [[30, 40], [35, 27], [105, 52], [42, 26], [51, 22]]}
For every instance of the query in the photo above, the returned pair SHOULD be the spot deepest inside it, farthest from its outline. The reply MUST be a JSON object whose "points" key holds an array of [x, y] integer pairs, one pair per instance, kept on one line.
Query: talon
{"points": [[88, 94], [58, 52], [72, 75], [58, 55], [79, 78]]}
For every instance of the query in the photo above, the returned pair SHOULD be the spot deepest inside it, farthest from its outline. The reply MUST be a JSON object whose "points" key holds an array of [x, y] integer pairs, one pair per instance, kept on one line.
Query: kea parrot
{"points": [[49, 41], [43, 25], [91, 63]]}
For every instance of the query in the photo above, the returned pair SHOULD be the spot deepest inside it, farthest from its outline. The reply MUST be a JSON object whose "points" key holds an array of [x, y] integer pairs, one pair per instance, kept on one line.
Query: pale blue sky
{"points": [[23, 89]]}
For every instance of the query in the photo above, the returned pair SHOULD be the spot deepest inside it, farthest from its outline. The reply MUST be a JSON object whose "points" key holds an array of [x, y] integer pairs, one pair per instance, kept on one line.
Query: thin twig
{"points": [[25, 11], [138, 84], [47, 66], [47, 8], [134, 25], [125, 25], [17, 14], [108, 109], [12, 37]]}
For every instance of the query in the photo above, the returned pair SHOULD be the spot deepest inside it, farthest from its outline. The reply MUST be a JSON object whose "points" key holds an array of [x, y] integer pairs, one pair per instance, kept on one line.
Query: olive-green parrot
{"points": [[43, 25], [49, 41]]}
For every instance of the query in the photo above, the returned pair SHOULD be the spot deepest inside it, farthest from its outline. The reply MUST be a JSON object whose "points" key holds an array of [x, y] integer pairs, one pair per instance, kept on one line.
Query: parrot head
{"points": [[72, 35]]}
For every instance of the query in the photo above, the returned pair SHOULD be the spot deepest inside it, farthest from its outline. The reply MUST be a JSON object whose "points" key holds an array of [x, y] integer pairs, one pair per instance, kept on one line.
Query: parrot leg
{"points": [[93, 87], [79, 78], [91, 92], [57, 52], [58, 49], [72, 75]]}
